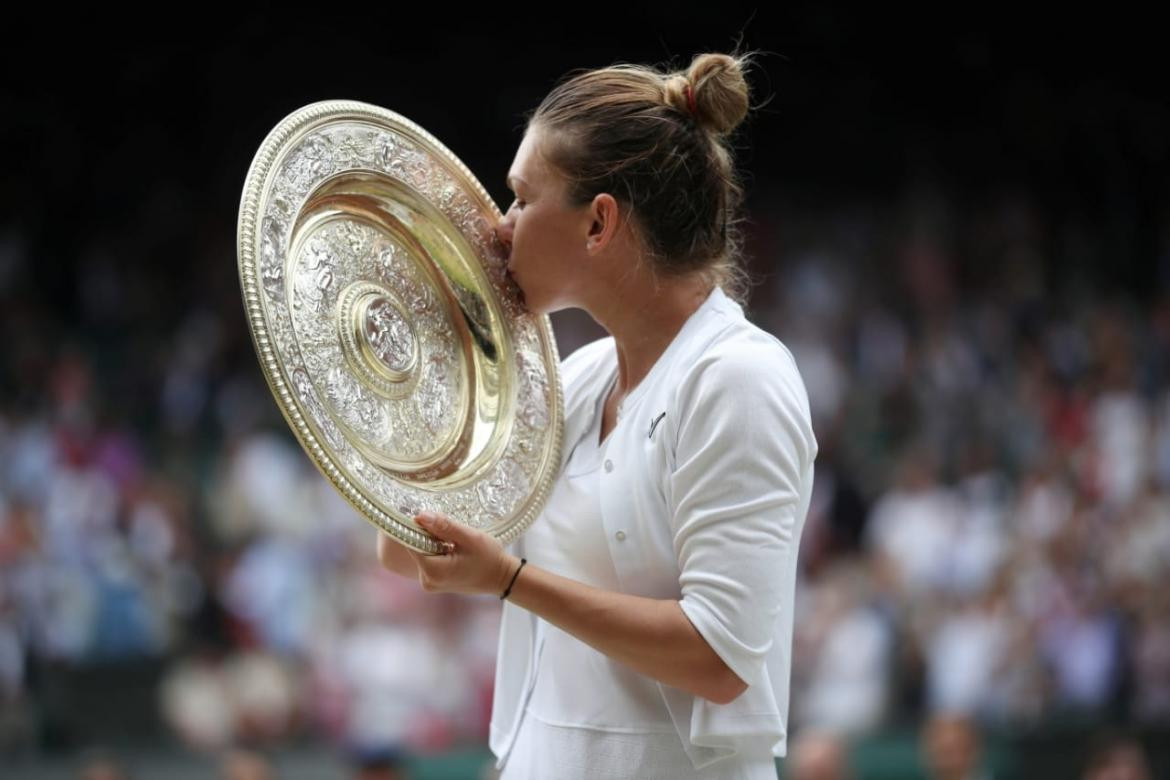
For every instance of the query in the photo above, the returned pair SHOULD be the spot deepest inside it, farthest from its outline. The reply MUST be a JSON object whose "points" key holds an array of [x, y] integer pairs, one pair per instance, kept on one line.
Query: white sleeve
{"points": [[744, 446]]}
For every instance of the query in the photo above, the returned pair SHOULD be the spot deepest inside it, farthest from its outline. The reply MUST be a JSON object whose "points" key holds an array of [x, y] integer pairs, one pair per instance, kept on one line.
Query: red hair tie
{"points": [[691, 101]]}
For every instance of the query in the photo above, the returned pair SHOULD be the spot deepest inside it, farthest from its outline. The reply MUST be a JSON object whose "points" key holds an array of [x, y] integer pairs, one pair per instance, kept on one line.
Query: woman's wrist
{"points": [[511, 581], [511, 570]]}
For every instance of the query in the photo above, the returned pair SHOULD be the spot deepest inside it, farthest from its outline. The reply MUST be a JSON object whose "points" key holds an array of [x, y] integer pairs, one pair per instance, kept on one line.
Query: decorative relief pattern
{"points": [[298, 310], [389, 335], [507, 486], [327, 264], [533, 390]]}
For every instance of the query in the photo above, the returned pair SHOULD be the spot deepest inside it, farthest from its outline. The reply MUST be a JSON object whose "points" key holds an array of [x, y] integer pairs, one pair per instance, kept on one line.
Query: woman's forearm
{"points": [[651, 636]]}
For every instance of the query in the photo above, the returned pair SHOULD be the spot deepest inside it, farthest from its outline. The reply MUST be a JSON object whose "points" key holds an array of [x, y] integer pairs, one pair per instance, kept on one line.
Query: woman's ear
{"points": [[604, 215]]}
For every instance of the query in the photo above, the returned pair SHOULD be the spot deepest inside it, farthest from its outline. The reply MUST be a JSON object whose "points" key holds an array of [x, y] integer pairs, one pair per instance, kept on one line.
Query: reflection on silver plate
{"points": [[393, 341]]}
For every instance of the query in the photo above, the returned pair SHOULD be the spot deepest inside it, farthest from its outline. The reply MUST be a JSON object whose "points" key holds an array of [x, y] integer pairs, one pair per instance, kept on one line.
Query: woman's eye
{"points": [[518, 203]]}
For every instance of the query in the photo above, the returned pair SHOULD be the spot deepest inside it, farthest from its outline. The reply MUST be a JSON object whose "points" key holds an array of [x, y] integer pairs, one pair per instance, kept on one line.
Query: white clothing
{"points": [[605, 719], [544, 750], [569, 539], [701, 495]]}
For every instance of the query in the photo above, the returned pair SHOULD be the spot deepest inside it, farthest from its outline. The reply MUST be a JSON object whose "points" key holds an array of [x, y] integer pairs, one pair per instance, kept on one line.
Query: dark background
{"points": [[118, 129]]}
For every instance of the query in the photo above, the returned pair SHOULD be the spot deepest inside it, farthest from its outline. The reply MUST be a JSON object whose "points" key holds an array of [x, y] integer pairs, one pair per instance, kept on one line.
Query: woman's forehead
{"points": [[529, 167]]}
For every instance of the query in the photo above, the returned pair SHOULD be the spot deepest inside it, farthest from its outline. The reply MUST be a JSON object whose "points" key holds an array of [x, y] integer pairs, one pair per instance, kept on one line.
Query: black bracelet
{"points": [[514, 576]]}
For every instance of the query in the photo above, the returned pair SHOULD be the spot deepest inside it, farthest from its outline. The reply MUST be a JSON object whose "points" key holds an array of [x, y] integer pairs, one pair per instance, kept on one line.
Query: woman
{"points": [[649, 634]]}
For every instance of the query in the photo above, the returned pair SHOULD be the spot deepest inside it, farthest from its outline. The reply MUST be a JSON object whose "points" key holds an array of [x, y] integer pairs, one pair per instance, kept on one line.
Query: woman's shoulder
{"points": [[742, 352], [745, 375]]}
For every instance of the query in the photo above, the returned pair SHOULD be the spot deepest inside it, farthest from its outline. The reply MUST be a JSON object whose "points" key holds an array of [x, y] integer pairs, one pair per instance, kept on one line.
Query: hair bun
{"points": [[719, 91]]}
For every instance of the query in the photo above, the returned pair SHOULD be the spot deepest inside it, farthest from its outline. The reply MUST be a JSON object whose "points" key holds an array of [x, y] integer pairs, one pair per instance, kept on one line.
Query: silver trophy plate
{"points": [[397, 348]]}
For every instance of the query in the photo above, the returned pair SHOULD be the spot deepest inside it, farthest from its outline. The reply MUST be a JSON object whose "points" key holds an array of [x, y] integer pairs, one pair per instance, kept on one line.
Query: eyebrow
{"points": [[509, 179]]}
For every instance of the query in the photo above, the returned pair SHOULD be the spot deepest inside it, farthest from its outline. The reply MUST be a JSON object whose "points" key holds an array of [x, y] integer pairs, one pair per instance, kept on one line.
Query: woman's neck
{"points": [[643, 320]]}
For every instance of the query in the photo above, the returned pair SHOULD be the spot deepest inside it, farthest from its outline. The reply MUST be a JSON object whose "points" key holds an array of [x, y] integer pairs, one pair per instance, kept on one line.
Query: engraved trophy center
{"points": [[389, 335], [377, 337]]}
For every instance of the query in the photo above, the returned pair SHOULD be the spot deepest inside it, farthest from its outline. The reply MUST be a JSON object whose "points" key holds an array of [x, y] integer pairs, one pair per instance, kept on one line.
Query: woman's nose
{"points": [[504, 230]]}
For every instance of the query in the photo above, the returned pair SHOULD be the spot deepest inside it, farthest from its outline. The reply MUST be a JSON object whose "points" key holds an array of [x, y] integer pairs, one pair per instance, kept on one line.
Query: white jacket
{"points": [[705, 505]]}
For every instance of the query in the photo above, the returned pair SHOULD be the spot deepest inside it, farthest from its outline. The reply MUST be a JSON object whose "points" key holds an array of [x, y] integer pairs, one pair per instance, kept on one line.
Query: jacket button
{"points": [[608, 465], [620, 536]]}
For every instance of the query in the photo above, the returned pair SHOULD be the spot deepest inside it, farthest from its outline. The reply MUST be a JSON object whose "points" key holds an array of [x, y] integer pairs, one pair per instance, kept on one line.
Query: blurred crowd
{"points": [[990, 531], [988, 539]]}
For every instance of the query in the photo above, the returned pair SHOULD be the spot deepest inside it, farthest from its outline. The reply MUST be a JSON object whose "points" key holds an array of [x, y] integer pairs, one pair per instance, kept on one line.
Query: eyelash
{"points": [[518, 203]]}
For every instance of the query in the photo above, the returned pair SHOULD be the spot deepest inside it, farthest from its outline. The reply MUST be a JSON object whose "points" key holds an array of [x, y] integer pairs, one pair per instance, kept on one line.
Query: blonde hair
{"points": [[629, 130]]}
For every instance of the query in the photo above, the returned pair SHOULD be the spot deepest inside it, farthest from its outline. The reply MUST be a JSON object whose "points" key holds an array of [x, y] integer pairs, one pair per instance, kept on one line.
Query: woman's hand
{"points": [[474, 562]]}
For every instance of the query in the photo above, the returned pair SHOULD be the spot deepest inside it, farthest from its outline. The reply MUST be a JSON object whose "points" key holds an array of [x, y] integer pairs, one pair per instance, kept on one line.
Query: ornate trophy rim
{"points": [[392, 520]]}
